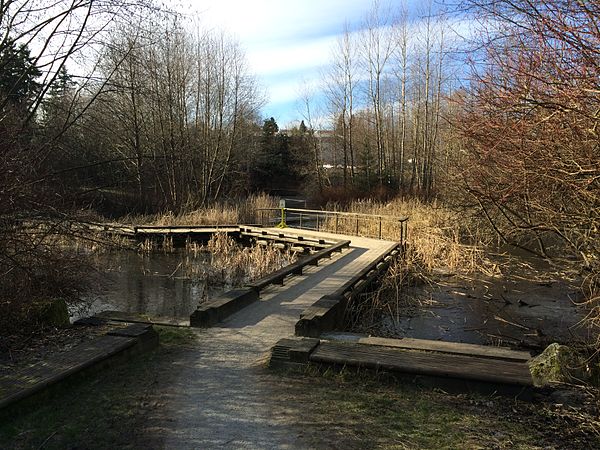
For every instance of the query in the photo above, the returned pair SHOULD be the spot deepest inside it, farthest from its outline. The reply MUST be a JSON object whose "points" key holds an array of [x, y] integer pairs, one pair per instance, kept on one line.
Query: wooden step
{"points": [[420, 362], [457, 348]]}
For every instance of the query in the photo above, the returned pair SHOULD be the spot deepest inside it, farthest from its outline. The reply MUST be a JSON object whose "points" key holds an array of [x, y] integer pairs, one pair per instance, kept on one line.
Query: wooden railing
{"points": [[368, 225]]}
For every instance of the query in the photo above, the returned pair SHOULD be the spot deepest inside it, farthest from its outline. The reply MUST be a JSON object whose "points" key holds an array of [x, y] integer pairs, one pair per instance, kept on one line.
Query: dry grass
{"points": [[437, 235], [218, 214], [233, 265]]}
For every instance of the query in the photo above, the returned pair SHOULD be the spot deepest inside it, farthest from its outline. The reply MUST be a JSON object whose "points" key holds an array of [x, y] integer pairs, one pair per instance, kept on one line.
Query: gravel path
{"points": [[223, 395]]}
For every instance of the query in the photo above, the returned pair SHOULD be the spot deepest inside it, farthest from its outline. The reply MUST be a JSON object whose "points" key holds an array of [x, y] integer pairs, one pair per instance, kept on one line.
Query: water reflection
{"points": [[160, 284]]}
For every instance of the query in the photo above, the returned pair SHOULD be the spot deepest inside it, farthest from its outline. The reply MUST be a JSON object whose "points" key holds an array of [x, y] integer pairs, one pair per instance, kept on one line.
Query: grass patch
{"points": [[171, 336], [104, 410], [367, 411]]}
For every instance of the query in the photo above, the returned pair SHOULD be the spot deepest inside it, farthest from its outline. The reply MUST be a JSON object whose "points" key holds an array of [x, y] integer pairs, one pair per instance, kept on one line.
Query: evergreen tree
{"points": [[18, 74], [276, 167], [57, 103]]}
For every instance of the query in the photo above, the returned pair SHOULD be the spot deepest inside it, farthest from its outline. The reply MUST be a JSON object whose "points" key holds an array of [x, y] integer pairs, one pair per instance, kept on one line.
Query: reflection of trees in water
{"points": [[172, 284]]}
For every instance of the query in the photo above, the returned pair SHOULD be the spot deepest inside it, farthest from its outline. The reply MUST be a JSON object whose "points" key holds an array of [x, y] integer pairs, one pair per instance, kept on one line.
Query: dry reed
{"points": [[435, 243], [437, 235], [233, 265], [218, 214]]}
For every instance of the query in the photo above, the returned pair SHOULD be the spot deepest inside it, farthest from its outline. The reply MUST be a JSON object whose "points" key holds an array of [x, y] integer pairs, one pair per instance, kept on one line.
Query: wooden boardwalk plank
{"points": [[120, 316], [425, 363], [36, 377], [185, 230], [457, 348]]}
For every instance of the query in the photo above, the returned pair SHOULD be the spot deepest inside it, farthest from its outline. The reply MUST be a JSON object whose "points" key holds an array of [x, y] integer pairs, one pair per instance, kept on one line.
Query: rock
{"points": [[558, 364]]}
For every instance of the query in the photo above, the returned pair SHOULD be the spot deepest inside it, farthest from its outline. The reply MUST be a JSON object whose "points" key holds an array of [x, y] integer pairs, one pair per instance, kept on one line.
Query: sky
{"points": [[287, 43]]}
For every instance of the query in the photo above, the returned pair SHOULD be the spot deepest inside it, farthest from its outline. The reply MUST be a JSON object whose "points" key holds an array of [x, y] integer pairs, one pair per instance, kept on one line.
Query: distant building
{"points": [[328, 148]]}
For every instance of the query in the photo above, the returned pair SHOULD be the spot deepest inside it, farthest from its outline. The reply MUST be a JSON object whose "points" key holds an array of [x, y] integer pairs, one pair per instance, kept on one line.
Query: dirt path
{"points": [[223, 395]]}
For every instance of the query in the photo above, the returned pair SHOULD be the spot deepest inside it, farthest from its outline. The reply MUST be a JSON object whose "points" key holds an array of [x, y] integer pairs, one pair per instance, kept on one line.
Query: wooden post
{"points": [[379, 227], [357, 225]]}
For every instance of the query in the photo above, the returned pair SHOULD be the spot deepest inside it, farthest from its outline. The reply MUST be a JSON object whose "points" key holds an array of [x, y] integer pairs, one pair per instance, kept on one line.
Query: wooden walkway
{"points": [[221, 396], [280, 307], [35, 378], [276, 315]]}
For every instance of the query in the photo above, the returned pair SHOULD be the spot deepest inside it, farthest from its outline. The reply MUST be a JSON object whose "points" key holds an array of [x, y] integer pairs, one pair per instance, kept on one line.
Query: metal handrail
{"points": [[402, 221], [339, 213]]}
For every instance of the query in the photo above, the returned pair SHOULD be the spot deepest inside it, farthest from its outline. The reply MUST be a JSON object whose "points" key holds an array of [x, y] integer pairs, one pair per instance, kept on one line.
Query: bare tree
{"points": [[340, 89], [37, 41], [530, 121], [306, 96], [193, 99], [377, 48], [402, 76]]}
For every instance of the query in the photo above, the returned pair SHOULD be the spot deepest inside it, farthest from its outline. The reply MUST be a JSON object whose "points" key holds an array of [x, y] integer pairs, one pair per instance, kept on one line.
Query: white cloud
{"points": [[287, 43], [255, 21], [279, 59], [283, 91]]}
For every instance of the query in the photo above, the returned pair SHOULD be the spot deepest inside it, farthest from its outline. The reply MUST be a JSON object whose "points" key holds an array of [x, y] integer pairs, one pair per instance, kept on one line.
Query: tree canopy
{"points": [[18, 74]]}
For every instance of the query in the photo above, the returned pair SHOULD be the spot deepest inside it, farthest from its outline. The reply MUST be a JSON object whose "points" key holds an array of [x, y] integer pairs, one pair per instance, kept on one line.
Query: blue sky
{"points": [[287, 42]]}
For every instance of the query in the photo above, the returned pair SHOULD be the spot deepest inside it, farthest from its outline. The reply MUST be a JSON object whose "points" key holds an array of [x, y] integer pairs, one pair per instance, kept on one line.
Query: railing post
{"points": [[336, 222], [300, 220], [379, 227], [317, 229], [282, 224], [357, 225], [402, 233]]}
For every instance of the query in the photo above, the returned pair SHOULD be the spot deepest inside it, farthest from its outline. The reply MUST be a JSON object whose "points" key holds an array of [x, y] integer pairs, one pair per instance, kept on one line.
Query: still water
{"points": [[159, 284], [526, 302]]}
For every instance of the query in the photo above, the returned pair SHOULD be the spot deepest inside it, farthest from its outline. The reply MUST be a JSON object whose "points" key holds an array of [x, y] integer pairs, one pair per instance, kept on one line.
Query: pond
{"points": [[172, 283], [527, 303], [157, 284]]}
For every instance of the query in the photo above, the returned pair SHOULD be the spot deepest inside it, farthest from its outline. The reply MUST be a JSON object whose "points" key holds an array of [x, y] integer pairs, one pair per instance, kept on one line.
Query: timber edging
{"points": [[454, 371], [216, 310], [24, 386], [327, 313]]}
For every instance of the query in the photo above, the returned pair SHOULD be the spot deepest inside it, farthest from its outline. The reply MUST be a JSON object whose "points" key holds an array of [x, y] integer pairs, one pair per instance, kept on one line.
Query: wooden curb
{"points": [[217, 309], [104, 351], [447, 365]]}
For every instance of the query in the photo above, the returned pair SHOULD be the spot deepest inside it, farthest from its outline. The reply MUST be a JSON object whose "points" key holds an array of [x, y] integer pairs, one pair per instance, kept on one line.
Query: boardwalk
{"points": [[221, 397]]}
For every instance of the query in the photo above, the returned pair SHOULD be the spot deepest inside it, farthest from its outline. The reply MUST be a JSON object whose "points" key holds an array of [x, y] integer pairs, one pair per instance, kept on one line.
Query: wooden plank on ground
{"points": [[423, 363], [33, 378], [457, 348], [120, 316]]}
